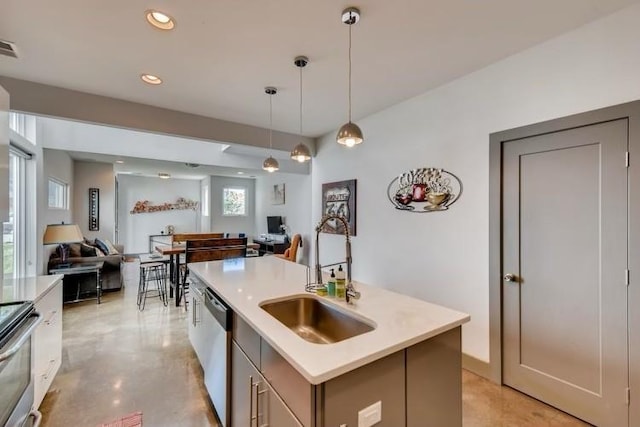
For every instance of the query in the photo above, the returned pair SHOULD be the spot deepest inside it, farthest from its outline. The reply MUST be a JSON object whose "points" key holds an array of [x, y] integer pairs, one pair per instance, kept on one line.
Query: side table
{"points": [[94, 267]]}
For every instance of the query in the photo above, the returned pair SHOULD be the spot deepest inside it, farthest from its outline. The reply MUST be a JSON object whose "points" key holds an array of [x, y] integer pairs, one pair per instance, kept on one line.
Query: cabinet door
{"points": [[244, 376], [198, 329], [191, 321], [47, 342], [272, 411]]}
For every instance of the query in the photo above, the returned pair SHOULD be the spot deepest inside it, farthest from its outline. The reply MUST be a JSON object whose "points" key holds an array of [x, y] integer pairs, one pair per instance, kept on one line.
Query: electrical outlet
{"points": [[371, 415]]}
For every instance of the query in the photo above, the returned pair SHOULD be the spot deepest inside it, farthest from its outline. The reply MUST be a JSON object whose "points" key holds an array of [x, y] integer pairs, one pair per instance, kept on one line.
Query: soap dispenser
{"points": [[340, 283], [331, 284]]}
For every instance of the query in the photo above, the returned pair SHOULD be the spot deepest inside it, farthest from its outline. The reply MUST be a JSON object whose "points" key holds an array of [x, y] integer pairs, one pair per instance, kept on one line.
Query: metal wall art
{"points": [[145, 206], [94, 209], [424, 190], [339, 198]]}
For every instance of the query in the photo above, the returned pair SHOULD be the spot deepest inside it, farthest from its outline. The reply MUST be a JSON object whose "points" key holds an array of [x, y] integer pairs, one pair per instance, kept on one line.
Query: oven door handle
{"points": [[36, 319], [37, 417]]}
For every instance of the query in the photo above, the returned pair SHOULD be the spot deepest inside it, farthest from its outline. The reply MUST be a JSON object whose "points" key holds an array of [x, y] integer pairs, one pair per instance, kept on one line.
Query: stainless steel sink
{"points": [[315, 320]]}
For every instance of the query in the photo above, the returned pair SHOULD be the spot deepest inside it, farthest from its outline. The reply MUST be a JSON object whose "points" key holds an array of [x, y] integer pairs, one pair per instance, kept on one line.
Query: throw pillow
{"points": [[102, 246], [106, 246], [87, 251], [74, 250]]}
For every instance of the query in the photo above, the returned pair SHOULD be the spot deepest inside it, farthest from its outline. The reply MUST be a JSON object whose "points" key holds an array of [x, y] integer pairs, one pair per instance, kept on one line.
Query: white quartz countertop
{"points": [[28, 288], [400, 320]]}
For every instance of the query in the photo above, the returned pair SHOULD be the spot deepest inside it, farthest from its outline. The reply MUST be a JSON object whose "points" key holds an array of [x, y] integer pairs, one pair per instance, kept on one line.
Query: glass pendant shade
{"points": [[270, 164], [349, 135], [301, 153]]}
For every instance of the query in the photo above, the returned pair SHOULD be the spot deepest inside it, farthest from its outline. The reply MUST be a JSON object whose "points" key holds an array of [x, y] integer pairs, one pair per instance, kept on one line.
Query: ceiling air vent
{"points": [[8, 49]]}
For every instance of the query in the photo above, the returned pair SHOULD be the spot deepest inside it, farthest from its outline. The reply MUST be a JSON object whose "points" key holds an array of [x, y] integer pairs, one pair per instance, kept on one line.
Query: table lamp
{"points": [[61, 234]]}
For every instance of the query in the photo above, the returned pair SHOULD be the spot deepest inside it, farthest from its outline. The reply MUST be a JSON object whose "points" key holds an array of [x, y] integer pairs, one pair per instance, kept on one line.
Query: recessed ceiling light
{"points": [[151, 79], [119, 162], [164, 175], [160, 20], [240, 173]]}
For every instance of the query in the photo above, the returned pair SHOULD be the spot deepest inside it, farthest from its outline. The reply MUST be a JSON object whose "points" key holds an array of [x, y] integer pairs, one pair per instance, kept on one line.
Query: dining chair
{"points": [[291, 253], [201, 250]]}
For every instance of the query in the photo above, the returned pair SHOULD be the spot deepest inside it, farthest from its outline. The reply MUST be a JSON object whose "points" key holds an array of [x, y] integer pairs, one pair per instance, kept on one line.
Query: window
{"points": [[24, 125], [234, 201], [14, 232], [205, 200], [58, 194]]}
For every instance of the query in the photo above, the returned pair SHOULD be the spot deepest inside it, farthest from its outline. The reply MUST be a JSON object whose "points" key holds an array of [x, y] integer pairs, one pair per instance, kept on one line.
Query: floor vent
{"points": [[8, 49]]}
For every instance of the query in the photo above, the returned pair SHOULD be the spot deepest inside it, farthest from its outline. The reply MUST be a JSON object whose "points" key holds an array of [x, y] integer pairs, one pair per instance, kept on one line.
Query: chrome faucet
{"points": [[350, 292]]}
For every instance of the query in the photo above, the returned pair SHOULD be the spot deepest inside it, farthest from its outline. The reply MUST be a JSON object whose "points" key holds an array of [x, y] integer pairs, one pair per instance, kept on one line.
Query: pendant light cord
{"points": [[301, 101], [270, 121], [350, 25]]}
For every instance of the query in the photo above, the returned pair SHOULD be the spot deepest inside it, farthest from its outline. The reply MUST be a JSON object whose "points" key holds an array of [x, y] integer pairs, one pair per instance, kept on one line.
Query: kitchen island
{"points": [[406, 371]]}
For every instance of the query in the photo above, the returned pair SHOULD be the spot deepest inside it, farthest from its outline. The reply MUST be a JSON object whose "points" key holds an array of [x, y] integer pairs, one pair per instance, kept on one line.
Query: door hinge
{"points": [[626, 277], [628, 396], [626, 159]]}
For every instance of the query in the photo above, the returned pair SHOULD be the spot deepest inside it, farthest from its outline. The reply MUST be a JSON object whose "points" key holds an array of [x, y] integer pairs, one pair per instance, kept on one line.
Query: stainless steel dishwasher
{"points": [[217, 368]]}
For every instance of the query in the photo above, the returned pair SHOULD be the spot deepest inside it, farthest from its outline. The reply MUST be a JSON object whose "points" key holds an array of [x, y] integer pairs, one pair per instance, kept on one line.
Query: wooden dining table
{"points": [[174, 252]]}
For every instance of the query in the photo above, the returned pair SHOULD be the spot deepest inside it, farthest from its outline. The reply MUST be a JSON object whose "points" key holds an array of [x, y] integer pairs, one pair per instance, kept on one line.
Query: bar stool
{"points": [[152, 273]]}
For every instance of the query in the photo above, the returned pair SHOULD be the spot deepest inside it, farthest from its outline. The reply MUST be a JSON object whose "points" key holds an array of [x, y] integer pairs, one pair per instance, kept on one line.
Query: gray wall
{"points": [[296, 211], [54, 164], [232, 224], [94, 175], [134, 229]]}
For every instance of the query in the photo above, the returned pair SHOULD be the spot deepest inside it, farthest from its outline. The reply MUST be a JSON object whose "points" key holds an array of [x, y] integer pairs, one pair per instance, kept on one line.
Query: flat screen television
{"points": [[273, 224]]}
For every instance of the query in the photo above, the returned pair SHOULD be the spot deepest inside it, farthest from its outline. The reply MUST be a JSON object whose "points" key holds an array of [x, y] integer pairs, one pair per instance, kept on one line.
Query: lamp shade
{"points": [[62, 233], [270, 164], [350, 135], [301, 153]]}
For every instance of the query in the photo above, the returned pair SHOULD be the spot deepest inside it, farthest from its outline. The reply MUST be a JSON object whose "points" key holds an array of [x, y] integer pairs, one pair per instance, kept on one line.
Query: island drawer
{"points": [[247, 339], [288, 383]]}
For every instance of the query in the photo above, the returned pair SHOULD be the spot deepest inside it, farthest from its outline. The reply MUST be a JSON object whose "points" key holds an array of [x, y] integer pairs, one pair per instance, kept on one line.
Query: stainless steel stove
{"points": [[18, 320]]}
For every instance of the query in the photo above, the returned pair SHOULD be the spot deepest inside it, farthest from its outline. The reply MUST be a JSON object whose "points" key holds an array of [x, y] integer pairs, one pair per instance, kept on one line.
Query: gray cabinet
{"points": [[253, 402], [272, 412], [292, 387], [243, 379], [420, 386]]}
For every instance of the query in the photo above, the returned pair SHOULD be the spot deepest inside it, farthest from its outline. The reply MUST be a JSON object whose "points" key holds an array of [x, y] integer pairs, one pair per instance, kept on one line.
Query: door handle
{"points": [[252, 417], [262, 415], [510, 277]]}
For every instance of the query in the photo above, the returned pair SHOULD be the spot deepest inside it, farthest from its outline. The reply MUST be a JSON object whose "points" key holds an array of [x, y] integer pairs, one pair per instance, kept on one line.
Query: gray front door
{"points": [[565, 247]]}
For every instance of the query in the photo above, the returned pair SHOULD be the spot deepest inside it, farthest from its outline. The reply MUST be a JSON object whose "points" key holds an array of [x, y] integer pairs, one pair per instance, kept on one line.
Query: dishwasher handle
{"points": [[218, 309]]}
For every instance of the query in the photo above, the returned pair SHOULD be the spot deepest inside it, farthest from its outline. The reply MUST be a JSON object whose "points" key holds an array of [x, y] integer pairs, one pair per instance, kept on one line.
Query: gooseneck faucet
{"points": [[350, 292]]}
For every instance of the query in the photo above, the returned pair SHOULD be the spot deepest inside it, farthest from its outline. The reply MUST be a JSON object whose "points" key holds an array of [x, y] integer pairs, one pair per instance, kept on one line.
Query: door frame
{"points": [[630, 111]]}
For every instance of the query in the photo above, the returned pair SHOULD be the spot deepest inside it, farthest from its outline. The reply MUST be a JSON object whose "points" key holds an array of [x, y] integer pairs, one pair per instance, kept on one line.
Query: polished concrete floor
{"points": [[117, 360]]}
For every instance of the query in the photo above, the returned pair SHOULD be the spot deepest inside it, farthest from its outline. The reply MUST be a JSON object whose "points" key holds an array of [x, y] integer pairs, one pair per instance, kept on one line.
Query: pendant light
{"points": [[350, 134], [301, 152], [270, 164]]}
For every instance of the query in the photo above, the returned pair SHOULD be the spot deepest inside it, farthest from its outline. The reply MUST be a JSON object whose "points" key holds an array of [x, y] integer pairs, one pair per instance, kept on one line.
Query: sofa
{"points": [[110, 274]]}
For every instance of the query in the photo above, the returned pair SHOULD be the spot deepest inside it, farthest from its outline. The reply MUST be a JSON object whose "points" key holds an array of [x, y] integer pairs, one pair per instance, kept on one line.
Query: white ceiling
{"points": [[222, 53], [149, 154], [151, 167]]}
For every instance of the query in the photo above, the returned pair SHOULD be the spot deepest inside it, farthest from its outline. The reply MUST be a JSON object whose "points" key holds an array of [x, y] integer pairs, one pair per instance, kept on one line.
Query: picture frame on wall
{"points": [[339, 198], [277, 196], [94, 209]]}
